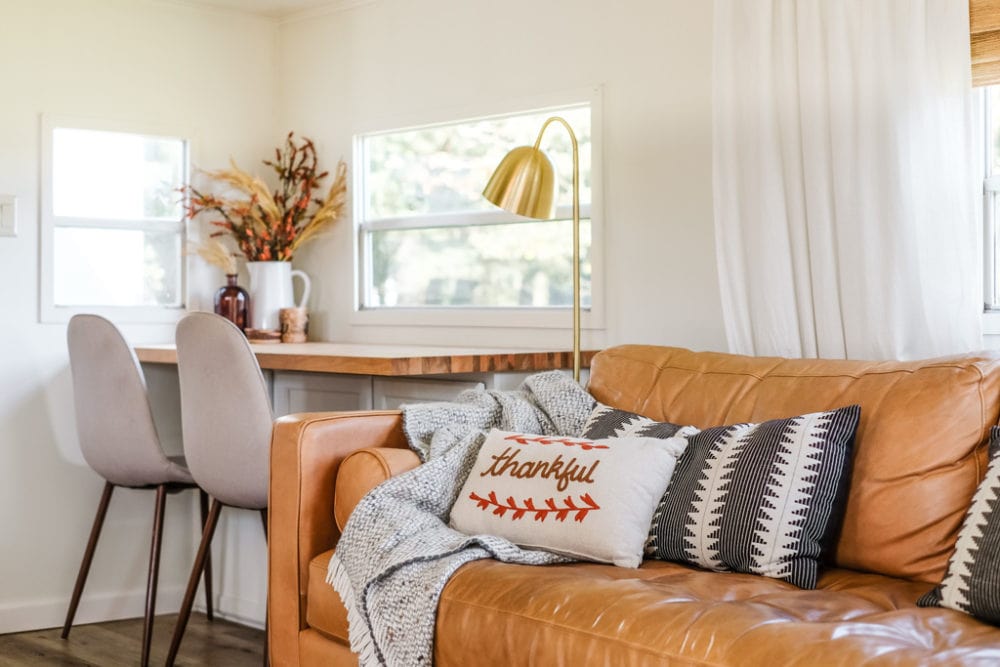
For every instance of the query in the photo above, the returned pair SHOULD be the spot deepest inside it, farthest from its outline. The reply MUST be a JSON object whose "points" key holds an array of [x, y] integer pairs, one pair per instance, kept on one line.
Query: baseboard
{"points": [[100, 607], [93, 608], [236, 609]]}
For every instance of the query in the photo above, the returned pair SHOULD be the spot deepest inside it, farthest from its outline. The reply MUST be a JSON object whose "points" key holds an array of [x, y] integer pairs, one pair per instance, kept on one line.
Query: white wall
{"points": [[394, 60], [241, 83], [134, 60]]}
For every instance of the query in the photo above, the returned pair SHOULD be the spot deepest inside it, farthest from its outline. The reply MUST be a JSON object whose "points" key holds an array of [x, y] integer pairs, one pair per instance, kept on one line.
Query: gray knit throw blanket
{"points": [[397, 552]]}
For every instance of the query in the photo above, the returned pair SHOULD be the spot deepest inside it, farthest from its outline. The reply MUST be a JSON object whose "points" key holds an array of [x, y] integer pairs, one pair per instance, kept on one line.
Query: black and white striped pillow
{"points": [[608, 422], [971, 583], [757, 498]]}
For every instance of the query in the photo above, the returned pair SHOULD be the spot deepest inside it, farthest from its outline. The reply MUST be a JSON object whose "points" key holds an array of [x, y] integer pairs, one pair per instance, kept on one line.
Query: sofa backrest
{"points": [[920, 449]]}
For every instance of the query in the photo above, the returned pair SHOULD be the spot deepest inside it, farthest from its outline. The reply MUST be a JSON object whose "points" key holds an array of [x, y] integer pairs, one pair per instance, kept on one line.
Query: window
{"points": [[429, 241], [112, 222]]}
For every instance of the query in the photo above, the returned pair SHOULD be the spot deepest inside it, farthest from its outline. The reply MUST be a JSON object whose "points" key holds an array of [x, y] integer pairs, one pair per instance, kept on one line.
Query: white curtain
{"points": [[845, 178]]}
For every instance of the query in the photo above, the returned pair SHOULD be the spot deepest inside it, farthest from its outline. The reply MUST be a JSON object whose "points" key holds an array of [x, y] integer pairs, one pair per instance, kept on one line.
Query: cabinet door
{"points": [[390, 393], [164, 390], [320, 392]]}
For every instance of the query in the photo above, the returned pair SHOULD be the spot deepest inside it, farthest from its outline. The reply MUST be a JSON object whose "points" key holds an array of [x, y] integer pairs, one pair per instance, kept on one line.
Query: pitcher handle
{"points": [[306, 285]]}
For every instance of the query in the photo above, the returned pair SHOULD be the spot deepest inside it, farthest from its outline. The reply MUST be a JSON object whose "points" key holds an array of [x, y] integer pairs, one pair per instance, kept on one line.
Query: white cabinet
{"points": [[320, 392], [163, 388], [390, 393], [295, 391]]}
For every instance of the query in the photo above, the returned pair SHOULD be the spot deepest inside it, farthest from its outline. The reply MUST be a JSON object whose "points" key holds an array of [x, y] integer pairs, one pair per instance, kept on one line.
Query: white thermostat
{"points": [[8, 215]]}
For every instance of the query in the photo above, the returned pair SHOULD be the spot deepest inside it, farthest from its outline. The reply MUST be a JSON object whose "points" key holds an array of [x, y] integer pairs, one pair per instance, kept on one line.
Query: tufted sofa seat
{"points": [[919, 455]]}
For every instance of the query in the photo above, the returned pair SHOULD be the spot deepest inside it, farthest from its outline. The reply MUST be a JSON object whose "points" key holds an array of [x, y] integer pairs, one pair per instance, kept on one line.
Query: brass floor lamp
{"points": [[524, 183]]}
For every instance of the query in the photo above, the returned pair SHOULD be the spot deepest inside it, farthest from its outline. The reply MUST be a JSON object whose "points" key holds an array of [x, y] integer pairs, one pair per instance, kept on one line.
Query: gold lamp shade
{"points": [[524, 183]]}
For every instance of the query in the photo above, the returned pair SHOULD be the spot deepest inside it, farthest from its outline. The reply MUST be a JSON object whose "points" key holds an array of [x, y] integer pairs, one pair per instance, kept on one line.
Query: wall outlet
{"points": [[8, 215]]}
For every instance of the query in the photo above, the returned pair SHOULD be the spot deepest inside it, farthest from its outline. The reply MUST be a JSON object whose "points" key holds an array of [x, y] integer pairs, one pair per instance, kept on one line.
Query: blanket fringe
{"points": [[359, 632]]}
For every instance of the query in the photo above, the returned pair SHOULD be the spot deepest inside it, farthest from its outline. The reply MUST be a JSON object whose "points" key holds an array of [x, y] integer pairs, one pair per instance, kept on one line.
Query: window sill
{"points": [[512, 318], [117, 314], [991, 323]]}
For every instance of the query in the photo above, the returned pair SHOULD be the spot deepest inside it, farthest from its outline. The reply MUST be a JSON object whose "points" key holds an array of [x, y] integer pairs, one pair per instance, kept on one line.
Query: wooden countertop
{"points": [[392, 360]]}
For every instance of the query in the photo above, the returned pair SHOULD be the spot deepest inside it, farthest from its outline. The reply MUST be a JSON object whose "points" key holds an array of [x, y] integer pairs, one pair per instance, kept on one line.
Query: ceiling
{"points": [[271, 8]]}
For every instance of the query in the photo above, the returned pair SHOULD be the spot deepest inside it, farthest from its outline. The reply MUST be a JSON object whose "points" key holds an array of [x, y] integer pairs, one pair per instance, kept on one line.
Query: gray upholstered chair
{"points": [[226, 421], [119, 441]]}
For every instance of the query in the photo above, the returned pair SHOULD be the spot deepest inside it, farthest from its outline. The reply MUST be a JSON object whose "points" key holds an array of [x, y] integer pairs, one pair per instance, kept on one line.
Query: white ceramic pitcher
{"points": [[271, 290]]}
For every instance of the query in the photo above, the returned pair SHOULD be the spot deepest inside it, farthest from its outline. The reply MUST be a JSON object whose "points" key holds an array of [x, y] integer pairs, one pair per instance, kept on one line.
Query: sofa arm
{"points": [[306, 453], [365, 469]]}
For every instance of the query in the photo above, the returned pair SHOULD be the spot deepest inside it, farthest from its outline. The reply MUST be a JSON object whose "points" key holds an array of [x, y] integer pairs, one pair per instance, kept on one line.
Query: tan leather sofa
{"points": [[920, 452]]}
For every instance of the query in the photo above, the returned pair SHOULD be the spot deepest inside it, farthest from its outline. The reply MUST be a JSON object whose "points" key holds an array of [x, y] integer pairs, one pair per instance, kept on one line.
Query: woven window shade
{"points": [[984, 33]]}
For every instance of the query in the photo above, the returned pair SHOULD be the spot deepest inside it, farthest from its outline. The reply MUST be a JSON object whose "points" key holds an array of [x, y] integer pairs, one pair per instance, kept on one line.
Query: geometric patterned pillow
{"points": [[608, 422], [759, 498], [971, 583]]}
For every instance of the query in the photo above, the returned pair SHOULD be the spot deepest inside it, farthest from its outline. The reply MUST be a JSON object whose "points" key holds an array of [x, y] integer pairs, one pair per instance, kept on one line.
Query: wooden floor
{"points": [[216, 644]]}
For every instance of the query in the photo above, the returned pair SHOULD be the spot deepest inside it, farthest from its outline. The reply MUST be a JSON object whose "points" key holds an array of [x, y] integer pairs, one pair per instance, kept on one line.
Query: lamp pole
{"points": [[524, 183], [576, 236]]}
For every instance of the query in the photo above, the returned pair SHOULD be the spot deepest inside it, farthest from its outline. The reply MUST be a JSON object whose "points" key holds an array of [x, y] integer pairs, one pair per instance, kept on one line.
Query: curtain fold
{"points": [[845, 181]]}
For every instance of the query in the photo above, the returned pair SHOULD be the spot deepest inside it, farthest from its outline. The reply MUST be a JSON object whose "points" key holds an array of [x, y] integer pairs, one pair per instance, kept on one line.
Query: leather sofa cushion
{"points": [[592, 614], [362, 471], [324, 611], [920, 448]]}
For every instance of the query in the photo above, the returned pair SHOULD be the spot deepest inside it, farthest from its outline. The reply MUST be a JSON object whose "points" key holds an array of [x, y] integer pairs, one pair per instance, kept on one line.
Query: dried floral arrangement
{"points": [[214, 252], [265, 225]]}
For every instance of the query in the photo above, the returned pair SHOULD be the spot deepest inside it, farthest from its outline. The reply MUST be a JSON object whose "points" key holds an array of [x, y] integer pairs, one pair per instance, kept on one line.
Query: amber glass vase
{"points": [[233, 302]]}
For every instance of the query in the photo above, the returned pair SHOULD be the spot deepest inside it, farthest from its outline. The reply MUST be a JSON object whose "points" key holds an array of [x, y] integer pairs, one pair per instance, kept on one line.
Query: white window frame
{"points": [[991, 191], [555, 317], [49, 312]]}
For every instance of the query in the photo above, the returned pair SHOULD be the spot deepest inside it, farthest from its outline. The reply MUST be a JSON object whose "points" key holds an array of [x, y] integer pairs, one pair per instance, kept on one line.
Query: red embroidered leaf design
{"points": [[518, 511], [585, 445], [529, 505], [482, 503], [568, 507], [500, 509], [591, 505]]}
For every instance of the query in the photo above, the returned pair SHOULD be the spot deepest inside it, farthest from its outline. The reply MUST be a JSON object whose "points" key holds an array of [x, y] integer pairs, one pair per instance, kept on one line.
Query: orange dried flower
{"points": [[267, 224]]}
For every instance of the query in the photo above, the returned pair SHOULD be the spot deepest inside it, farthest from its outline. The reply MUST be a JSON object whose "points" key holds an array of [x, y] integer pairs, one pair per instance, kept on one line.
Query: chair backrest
{"points": [[113, 416], [225, 411]]}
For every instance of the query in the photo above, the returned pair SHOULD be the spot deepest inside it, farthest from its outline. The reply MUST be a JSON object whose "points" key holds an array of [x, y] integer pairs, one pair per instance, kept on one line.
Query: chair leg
{"points": [[203, 500], [88, 556], [154, 573], [267, 612], [192, 587]]}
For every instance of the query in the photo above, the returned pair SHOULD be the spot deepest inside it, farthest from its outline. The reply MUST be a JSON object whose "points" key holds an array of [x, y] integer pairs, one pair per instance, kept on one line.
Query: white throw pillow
{"points": [[590, 499]]}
